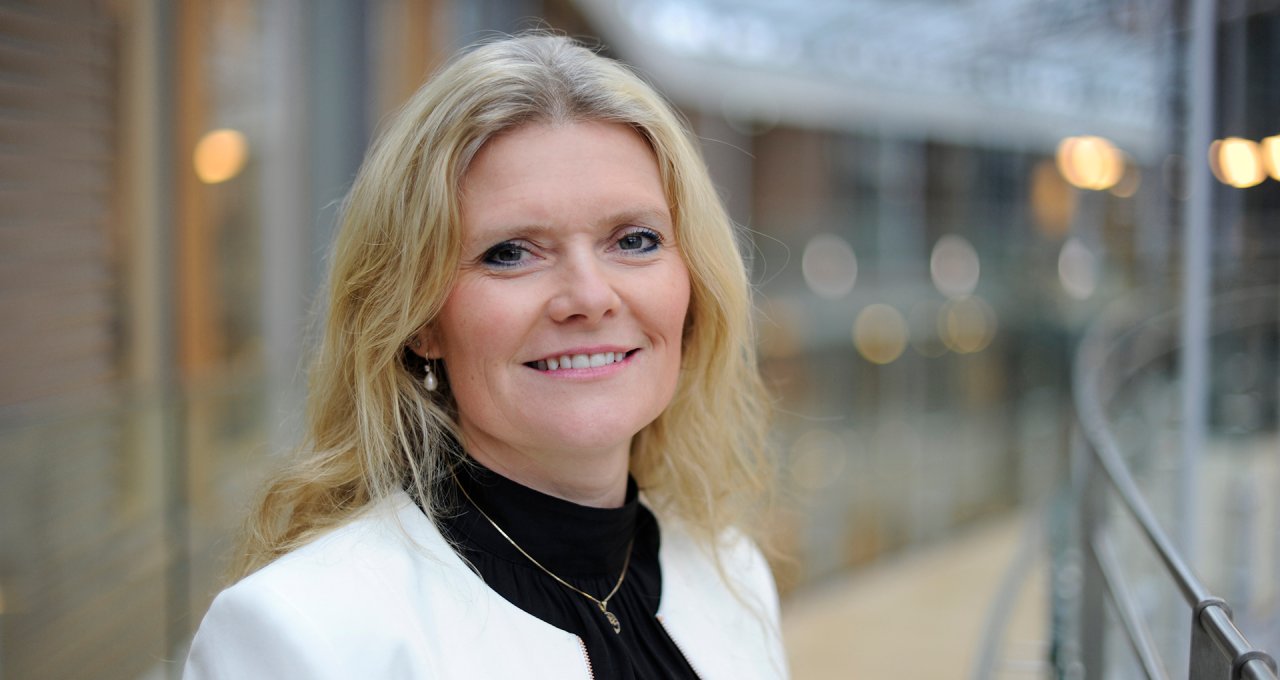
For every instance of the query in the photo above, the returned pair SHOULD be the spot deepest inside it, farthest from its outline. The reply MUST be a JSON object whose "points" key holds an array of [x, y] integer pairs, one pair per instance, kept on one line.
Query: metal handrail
{"points": [[1001, 608], [1127, 610], [1104, 362]]}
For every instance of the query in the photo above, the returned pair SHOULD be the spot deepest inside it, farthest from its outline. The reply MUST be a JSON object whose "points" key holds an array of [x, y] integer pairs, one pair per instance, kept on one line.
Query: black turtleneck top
{"points": [[583, 545]]}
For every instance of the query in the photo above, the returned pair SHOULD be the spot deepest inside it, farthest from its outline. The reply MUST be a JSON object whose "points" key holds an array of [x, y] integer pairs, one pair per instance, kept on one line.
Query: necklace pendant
{"points": [[602, 604]]}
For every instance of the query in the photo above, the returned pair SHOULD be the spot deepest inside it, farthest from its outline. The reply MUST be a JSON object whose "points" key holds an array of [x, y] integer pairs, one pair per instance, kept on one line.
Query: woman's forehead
{"points": [[539, 174]]}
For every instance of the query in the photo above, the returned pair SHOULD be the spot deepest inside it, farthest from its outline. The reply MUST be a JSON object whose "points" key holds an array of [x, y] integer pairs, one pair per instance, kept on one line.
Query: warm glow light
{"points": [[1271, 156], [829, 266], [954, 266], [1076, 269], [880, 333], [967, 325], [1053, 201], [220, 155], [1236, 162], [1090, 162]]}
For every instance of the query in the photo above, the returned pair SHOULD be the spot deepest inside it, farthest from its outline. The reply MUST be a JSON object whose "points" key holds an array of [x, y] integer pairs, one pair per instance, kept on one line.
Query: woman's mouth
{"points": [[568, 361]]}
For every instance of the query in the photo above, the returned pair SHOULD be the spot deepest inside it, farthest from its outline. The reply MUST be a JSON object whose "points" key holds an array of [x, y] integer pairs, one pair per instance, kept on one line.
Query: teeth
{"points": [[579, 361]]}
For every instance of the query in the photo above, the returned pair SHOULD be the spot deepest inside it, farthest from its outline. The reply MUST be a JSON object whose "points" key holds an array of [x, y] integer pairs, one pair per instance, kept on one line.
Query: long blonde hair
{"points": [[373, 429]]}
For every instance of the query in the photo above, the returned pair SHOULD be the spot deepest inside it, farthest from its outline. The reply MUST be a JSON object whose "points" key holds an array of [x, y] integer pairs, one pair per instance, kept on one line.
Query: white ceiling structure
{"points": [[1006, 73]]}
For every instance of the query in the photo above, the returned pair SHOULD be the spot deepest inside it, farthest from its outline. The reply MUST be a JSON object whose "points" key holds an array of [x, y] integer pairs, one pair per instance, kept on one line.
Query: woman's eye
{"points": [[505, 254], [639, 241]]}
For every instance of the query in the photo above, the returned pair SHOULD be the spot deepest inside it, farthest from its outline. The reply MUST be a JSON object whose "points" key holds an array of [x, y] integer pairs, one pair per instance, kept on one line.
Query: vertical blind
{"points": [[81, 558]]}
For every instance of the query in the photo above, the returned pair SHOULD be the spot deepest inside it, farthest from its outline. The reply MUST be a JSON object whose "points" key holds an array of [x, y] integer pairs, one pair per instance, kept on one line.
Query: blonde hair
{"points": [[373, 429]]}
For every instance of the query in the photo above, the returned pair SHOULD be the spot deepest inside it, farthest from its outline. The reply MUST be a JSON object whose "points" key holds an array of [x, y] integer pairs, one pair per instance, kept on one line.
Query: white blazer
{"points": [[384, 596]]}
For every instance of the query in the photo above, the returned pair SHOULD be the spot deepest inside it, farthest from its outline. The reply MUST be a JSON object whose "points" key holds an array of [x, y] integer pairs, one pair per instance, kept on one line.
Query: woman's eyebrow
{"points": [[649, 216], [497, 233], [644, 215]]}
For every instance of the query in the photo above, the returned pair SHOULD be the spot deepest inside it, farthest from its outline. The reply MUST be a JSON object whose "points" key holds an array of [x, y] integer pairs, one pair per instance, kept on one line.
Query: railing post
{"points": [[1197, 256], [1090, 491], [1220, 650], [1207, 661]]}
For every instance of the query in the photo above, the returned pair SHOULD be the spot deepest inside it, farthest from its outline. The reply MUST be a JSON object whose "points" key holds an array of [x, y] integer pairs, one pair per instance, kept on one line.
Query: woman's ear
{"points": [[420, 343]]}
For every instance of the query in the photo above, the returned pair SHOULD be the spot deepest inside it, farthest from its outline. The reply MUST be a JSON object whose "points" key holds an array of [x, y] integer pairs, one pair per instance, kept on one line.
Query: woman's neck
{"points": [[595, 479]]}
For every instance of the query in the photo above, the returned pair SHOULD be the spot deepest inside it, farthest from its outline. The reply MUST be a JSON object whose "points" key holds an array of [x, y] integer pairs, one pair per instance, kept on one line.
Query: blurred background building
{"points": [[936, 198]]}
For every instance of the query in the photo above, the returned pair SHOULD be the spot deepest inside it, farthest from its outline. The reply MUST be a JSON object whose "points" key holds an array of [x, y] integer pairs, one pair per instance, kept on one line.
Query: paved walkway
{"points": [[921, 615]]}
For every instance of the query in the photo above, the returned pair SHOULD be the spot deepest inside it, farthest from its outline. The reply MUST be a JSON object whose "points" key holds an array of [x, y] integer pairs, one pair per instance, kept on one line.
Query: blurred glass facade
{"points": [[935, 197]]}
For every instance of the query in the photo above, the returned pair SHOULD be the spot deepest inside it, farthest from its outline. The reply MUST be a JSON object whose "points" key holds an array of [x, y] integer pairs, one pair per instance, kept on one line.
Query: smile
{"points": [[570, 361]]}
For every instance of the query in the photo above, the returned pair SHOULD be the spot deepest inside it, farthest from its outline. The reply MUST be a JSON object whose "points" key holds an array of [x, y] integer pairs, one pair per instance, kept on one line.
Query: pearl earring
{"points": [[429, 380]]}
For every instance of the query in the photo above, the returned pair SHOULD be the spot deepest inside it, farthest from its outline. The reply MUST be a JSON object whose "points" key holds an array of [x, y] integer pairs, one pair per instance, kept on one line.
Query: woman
{"points": [[537, 309]]}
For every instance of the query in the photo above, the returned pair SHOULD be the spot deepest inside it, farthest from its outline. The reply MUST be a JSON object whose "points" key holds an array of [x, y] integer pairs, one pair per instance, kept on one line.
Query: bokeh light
{"points": [[220, 155], [1130, 180], [817, 459], [923, 326], [1236, 162], [1053, 201], [1271, 156], [829, 266], [1077, 269], [1090, 162], [954, 266], [967, 326], [880, 333]]}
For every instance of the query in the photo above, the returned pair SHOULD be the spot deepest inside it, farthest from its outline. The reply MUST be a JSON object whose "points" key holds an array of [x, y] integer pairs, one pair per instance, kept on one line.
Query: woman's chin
{"points": [[600, 439]]}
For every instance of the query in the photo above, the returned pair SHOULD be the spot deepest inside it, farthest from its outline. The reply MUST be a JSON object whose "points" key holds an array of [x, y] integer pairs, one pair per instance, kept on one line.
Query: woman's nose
{"points": [[585, 291]]}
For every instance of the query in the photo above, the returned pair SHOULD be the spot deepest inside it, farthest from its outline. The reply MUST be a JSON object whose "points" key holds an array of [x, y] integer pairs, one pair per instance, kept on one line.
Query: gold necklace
{"points": [[602, 604]]}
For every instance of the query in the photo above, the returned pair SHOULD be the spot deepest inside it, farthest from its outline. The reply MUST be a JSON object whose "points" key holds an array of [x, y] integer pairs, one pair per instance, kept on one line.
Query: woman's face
{"points": [[562, 333]]}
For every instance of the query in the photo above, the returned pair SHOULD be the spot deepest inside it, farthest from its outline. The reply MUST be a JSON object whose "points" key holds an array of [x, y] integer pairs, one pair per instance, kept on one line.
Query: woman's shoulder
{"points": [[381, 596], [380, 540], [721, 593], [342, 591], [731, 558], [733, 547]]}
